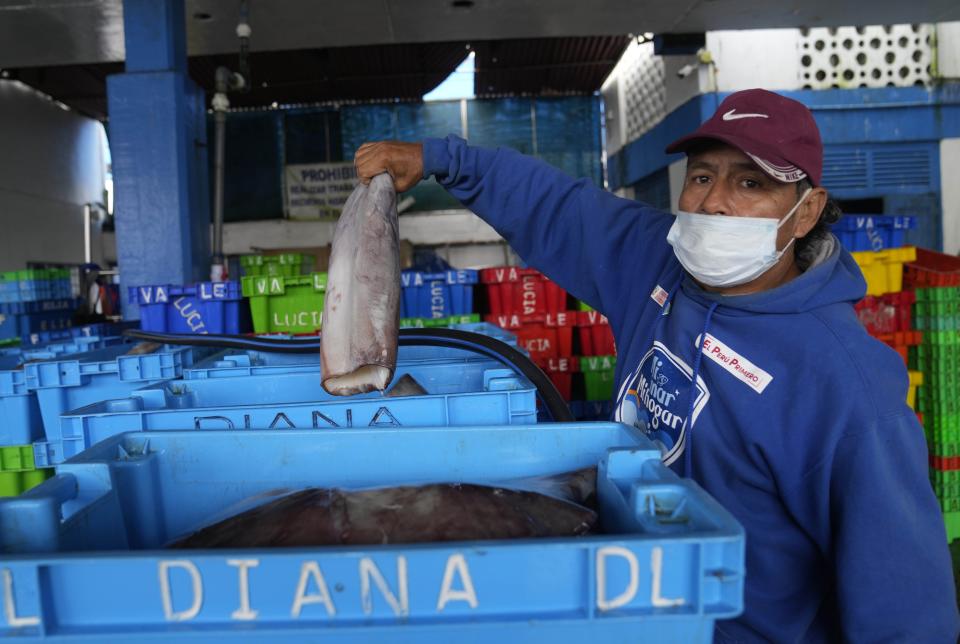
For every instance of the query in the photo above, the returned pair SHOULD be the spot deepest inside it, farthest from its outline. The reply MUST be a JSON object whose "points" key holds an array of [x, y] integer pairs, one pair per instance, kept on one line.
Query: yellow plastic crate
{"points": [[916, 379], [883, 269]]}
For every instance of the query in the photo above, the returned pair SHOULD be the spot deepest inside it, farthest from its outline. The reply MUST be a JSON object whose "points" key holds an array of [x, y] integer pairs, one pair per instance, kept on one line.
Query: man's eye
{"points": [[701, 179], [751, 184]]}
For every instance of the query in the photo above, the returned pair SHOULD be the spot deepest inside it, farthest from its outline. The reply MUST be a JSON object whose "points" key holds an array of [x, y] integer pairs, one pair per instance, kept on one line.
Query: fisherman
{"points": [[741, 356]]}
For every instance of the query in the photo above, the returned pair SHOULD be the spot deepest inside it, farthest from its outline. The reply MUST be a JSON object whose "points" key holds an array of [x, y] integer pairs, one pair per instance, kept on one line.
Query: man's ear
{"points": [[808, 214]]}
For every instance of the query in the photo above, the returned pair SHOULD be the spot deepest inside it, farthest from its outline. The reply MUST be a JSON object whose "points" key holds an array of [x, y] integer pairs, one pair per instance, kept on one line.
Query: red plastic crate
{"points": [[888, 313], [521, 291], [544, 336], [560, 371], [901, 341], [944, 463], [932, 269], [596, 336]]}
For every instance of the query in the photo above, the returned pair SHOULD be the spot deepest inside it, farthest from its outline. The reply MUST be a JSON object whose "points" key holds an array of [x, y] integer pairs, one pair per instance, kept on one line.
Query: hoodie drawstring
{"points": [[697, 359]]}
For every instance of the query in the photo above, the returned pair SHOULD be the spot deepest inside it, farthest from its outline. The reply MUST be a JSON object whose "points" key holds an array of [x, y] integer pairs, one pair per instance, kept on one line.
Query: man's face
{"points": [[722, 180]]}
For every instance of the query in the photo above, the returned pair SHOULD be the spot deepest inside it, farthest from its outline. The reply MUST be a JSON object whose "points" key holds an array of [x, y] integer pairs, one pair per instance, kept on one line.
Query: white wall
{"points": [[949, 169], [765, 58], [948, 49], [51, 163], [948, 46]]}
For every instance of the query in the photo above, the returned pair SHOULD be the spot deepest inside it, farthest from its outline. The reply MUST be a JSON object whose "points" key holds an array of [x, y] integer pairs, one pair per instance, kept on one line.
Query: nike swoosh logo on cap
{"points": [[733, 116]]}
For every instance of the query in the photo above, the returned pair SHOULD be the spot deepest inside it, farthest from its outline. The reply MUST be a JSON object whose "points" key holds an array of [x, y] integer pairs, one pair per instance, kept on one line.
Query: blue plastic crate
{"points": [[669, 564], [23, 324], [207, 307], [10, 351], [67, 346], [873, 232], [9, 291], [20, 319], [67, 382], [20, 418], [80, 344], [485, 328], [235, 363], [20, 421], [457, 394], [35, 290], [99, 329], [437, 295], [591, 410]]}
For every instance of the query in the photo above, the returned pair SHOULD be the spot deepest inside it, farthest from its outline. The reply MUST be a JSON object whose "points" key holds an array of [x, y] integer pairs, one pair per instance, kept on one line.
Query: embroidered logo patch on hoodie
{"points": [[656, 398]]}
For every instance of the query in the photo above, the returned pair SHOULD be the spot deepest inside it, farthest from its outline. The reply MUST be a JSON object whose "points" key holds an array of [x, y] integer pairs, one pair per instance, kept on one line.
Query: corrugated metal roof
{"points": [[406, 72], [545, 66]]}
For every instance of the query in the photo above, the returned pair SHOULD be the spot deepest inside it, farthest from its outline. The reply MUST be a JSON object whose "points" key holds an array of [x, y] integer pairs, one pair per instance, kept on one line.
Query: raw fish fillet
{"points": [[142, 348], [406, 385], [361, 312], [427, 513]]}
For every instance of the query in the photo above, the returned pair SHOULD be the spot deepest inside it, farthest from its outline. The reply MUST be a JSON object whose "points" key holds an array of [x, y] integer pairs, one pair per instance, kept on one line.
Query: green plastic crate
{"points": [[15, 483], [952, 521], [942, 338], [284, 265], [940, 425], [281, 304], [942, 448], [598, 374], [938, 294], [937, 323], [434, 323], [583, 306], [32, 274], [17, 470], [937, 309], [938, 406]]}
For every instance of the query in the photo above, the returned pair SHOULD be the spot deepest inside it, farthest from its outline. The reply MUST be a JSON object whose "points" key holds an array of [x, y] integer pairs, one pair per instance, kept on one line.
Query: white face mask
{"points": [[721, 251]]}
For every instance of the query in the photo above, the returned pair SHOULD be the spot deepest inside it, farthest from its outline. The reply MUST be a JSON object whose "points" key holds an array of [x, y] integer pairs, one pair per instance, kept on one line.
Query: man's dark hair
{"points": [[808, 247]]}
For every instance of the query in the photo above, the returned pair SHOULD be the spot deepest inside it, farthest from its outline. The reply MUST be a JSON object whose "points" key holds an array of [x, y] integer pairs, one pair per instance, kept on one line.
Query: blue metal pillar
{"points": [[158, 143]]}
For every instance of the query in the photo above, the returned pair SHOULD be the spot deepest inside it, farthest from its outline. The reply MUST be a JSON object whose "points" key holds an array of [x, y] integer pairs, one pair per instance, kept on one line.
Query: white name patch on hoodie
{"points": [[741, 368]]}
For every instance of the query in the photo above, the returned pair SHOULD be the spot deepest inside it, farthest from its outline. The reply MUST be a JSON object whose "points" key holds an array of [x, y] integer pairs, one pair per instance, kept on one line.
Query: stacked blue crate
{"points": [[668, 565], [238, 362], [98, 329], [457, 393], [206, 307], [873, 232], [34, 285], [20, 319], [20, 419], [34, 301], [437, 295], [64, 383], [140, 490], [21, 422]]}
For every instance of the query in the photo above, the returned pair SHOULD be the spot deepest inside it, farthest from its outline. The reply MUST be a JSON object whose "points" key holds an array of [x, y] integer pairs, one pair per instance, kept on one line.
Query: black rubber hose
{"points": [[448, 338]]}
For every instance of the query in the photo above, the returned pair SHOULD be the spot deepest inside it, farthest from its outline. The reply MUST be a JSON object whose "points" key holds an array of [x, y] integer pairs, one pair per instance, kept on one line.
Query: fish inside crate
{"points": [[666, 562]]}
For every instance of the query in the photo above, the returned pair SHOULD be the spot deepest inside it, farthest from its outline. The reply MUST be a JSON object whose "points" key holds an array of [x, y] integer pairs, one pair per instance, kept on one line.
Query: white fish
{"points": [[361, 313]]}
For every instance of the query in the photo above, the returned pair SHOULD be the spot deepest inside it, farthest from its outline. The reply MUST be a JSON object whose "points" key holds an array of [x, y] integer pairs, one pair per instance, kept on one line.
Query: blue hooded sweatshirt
{"points": [[790, 415]]}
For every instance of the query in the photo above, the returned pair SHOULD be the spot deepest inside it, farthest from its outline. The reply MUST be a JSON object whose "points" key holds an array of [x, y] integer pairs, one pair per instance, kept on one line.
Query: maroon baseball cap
{"points": [[777, 132]]}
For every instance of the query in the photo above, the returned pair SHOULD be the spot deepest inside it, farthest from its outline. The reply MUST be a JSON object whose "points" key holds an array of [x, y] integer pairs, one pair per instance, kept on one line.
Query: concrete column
{"points": [[157, 131]]}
